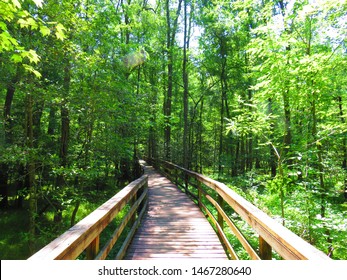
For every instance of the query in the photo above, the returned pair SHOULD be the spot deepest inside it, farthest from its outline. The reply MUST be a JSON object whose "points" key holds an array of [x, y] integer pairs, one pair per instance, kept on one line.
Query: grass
{"points": [[13, 241]]}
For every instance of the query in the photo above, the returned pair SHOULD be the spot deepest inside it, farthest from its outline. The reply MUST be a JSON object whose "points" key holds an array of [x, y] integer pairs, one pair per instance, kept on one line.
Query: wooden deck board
{"points": [[174, 227]]}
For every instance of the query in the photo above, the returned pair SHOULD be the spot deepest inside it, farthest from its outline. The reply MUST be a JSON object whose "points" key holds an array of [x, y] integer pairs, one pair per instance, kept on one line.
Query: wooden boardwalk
{"points": [[174, 227]]}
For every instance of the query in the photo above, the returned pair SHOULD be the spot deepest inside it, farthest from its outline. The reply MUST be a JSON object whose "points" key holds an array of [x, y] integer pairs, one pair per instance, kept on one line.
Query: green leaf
{"points": [[31, 55], [17, 4], [7, 42], [32, 70], [16, 58], [27, 22], [38, 3], [60, 32], [3, 26], [45, 30]]}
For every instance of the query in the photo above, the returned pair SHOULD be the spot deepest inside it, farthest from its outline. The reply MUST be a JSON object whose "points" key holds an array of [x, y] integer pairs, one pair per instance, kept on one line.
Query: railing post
{"points": [[199, 195], [144, 188], [132, 202], [186, 181], [176, 176], [265, 250], [93, 248], [220, 219]]}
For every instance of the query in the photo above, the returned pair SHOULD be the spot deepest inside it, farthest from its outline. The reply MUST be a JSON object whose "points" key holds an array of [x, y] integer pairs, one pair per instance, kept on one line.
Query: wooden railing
{"points": [[272, 235], [85, 235]]}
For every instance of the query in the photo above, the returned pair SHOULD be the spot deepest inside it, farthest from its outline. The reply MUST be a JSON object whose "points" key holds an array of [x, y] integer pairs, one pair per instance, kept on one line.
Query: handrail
{"points": [[272, 235], [85, 235]]}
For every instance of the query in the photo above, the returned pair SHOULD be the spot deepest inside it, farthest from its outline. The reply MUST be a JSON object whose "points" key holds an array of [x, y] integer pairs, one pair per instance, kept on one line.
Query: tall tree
{"points": [[172, 26]]}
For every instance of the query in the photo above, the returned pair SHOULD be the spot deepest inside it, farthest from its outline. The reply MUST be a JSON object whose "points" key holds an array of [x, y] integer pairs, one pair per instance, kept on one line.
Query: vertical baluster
{"points": [[145, 188], [93, 248], [265, 250], [176, 177], [220, 219], [186, 182], [132, 202], [199, 194]]}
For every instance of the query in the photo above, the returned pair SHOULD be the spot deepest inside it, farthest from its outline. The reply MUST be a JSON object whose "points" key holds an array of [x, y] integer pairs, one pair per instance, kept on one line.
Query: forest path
{"points": [[174, 227]]}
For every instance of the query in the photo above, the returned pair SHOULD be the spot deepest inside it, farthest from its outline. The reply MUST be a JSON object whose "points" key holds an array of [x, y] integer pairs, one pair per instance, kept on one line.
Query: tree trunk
{"points": [[64, 136], [65, 120], [170, 39], [31, 173], [200, 130], [220, 151], [8, 135], [273, 166], [224, 102], [74, 213], [152, 143], [344, 145], [186, 89], [3, 186], [287, 141]]}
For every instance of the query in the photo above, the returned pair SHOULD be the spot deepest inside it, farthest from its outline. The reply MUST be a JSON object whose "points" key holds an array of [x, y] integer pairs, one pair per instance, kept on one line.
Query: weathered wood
{"points": [[93, 248], [199, 195], [116, 234], [127, 241], [265, 250], [220, 216], [222, 235], [283, 241], [74, 241], [235, 230], [173, 227]]}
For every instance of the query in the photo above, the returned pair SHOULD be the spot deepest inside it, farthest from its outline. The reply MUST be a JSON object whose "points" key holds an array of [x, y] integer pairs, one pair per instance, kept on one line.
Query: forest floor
{"points": [[14, 225]]}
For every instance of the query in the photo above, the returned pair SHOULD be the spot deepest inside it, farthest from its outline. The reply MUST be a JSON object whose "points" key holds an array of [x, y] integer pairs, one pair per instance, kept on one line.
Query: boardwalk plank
{"points": [[174, 227]]}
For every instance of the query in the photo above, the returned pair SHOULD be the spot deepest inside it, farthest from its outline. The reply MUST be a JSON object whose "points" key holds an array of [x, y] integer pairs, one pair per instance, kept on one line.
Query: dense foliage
{"points": [[252, 92]]}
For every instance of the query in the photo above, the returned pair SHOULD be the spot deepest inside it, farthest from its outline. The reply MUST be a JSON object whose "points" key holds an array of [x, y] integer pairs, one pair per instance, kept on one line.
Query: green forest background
{"points": [[250, 92]]}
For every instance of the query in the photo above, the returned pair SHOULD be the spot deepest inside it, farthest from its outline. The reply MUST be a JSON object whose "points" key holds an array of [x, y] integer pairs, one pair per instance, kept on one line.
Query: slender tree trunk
{"points": [[271, 150], [65, 120], [64, 137], [220, 151], [235, 167], [243, 155], [31, 173], [200, 130], [152, 146], [4, 185], [170, 39], [215, 145], [74, 213], [287, 140], [224, 102], [126, 21], [344, 146], [168, 97], [186, 89], [8, 138]]}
